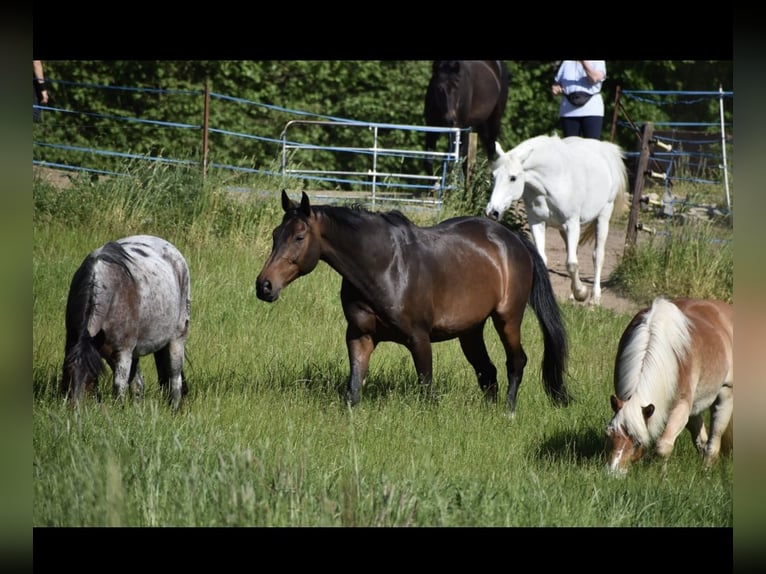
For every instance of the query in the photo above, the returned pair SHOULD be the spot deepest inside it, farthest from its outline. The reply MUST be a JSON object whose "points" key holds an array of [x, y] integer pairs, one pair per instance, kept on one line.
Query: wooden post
{"points": [[638, 186], [617, 93], [205, 126], [471, 157]]}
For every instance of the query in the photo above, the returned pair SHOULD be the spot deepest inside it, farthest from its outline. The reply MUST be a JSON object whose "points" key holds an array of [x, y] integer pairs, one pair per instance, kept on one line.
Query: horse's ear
{"points": [[499, 148], [616, 403], [305, 205], [648, 411], [287, 203]]}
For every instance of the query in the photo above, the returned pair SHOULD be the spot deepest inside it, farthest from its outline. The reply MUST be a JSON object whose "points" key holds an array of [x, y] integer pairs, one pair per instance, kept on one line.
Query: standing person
{"points": [[39, 89], [582, 107]]}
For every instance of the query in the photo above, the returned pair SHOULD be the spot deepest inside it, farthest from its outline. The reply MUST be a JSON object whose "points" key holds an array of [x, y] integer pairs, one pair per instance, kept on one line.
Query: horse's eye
{"points": [[299, 237], [512, 178]]}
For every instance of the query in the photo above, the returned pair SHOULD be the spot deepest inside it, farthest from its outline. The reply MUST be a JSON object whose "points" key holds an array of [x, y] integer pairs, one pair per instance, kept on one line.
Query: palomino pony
{"points": [[129, 298], [467, 94], [674, 361], [567, 183], [419, 285]]}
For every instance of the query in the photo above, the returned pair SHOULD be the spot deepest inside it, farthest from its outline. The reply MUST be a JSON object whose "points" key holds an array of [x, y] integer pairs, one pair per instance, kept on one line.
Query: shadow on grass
{"points": [[583, 446]]}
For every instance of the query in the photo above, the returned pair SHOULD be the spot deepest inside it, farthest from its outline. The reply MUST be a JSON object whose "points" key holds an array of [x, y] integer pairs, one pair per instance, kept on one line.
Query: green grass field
{"points": [[265, 438]]}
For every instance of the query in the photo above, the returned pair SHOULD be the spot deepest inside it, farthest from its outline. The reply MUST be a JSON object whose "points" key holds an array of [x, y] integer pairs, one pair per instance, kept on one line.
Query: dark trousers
{"points": [[586, 126]]}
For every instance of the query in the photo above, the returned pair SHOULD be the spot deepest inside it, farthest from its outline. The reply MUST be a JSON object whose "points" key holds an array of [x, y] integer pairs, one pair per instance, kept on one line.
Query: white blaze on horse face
{"points": [[508, 186]]}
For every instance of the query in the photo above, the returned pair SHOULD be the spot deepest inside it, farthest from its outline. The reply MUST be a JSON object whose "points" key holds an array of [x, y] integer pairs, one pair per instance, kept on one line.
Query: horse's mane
{"points": [[116, 254], [353, 216], [535, 142], [647, 367]]}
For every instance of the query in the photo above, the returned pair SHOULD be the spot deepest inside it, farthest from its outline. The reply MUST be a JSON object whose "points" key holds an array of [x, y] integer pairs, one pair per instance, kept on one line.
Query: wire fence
{"points": [[368, 166]]}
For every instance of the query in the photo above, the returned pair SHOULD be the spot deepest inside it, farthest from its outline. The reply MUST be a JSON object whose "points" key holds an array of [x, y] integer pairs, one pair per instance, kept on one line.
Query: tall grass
{"points": [[265, 438]]}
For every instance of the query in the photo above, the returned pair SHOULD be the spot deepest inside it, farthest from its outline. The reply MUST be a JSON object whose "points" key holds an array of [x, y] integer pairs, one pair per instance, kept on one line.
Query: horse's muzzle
{"points": [[265, 292]]}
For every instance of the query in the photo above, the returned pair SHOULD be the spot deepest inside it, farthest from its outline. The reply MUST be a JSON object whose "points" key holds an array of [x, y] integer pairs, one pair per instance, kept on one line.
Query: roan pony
{"points": [[566, 183], [466, 94], [418, 285], [674, 361], [129, 298]]}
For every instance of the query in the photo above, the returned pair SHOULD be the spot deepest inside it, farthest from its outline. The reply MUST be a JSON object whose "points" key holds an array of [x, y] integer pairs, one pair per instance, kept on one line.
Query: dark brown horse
{"points": [[419, 285], [466, 94]]}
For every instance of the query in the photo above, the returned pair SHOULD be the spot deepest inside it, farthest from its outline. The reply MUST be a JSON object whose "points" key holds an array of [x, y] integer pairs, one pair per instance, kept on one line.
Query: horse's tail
{"points": [[619, 173], [543, 302], [82, 357], [82, 364]]}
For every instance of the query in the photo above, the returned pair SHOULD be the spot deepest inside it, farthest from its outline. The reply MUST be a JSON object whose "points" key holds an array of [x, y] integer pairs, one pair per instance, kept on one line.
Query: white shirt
{"points": [[572, 77]]}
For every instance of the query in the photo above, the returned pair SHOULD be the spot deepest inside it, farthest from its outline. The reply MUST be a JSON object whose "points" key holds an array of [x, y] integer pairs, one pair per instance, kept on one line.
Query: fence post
{"points": [[614, 113], [205, 126], [470, 156], [638, 185]]}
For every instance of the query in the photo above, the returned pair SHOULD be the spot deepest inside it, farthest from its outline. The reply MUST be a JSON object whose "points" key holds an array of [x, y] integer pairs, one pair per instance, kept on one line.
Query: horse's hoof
{"points": [[581, 295]]}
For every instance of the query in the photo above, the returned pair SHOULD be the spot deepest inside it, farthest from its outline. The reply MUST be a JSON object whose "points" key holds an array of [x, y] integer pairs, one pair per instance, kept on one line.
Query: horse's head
{"points": [[509, 180], [623, 446], [447, 78], [295, 251]]}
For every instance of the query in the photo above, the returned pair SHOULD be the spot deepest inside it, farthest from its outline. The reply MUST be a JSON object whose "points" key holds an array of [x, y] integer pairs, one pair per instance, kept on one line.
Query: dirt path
{"points": [[556, 252]]}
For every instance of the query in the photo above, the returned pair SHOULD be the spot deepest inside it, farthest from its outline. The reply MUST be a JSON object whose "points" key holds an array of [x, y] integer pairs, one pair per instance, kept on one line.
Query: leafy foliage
{"points": [[387, 91]]}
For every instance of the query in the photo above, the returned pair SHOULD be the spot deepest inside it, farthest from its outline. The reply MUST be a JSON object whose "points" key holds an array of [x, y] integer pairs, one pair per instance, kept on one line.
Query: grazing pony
{"points": [[129, 298], [674, 361], [574, 184], [419, 285], [466, 94]]}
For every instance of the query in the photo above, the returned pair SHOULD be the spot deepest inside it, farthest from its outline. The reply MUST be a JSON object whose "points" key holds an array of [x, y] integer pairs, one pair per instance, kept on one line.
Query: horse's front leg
{"points": [[571, 236], [678, 418], [422, 355], [360, 346]]}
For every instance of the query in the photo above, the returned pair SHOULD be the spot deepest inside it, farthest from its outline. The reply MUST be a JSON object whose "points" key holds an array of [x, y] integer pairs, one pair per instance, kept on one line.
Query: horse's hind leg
{"points": [[123, 367], [720, 415], [136, 383], [170, 362], [475, 350], [602, 231], [696, 426]]}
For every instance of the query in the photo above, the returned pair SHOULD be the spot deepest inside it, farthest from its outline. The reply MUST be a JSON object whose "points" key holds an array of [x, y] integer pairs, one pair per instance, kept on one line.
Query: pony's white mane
{"points": [[647, 370]]}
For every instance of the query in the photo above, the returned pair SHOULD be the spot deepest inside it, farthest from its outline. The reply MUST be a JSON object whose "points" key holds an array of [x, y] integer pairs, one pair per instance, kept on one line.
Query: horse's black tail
{"points": [[82, 365], [543, 302]]}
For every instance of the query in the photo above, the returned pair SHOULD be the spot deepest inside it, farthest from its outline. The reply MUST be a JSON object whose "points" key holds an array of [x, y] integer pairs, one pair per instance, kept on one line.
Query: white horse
{"points": [[569, 183]]}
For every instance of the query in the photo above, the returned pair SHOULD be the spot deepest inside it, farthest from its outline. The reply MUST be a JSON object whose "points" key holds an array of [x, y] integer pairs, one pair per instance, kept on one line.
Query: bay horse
{"points": [[419, 285], [466, 94], [674, 361], [128, 298], [574, 184]]}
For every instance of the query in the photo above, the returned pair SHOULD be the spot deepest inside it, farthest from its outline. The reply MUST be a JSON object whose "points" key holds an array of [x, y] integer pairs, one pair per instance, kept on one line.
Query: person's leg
{"points": [[591, 126], [570, 126]]}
